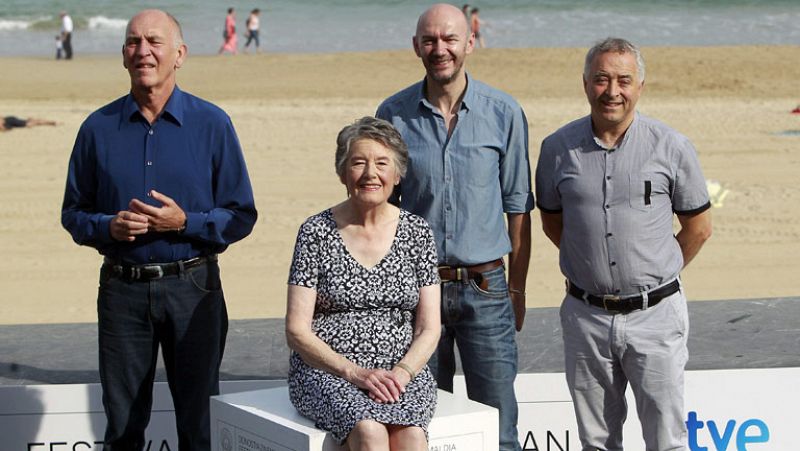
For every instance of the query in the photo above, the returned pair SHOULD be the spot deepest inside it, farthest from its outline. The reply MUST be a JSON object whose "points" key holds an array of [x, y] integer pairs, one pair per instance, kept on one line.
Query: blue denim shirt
{"points": [[190, 153], [462, 184]]}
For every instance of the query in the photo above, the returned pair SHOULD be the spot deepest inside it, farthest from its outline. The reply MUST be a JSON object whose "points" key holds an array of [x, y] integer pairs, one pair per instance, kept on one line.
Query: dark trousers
{"points": [[67, 44], [186, 316]]}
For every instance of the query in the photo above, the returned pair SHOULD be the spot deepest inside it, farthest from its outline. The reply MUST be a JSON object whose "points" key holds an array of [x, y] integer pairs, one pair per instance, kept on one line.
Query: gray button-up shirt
{"points": [[462, 185], [618, 203]]}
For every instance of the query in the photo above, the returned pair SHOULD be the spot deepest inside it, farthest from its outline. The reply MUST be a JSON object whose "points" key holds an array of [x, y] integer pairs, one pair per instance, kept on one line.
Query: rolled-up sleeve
{"points": [[515, 171]]}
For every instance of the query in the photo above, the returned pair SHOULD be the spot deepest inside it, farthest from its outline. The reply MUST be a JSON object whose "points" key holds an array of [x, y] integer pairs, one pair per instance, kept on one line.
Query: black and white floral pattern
{"points": [[365, 314]]}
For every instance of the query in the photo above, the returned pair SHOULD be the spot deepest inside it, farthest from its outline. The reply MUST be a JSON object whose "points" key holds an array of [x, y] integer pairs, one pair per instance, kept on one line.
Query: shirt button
{"points": [[150, 132], [148, 194], [149, 163], [608, 177], [616, 291], [613, 263], [607, 207], [151, 258], [609, 234], [449, 236]]}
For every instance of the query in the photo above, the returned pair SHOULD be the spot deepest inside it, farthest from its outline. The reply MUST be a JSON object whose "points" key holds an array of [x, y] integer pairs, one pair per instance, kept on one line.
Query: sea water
{"points": [[29, 27]]}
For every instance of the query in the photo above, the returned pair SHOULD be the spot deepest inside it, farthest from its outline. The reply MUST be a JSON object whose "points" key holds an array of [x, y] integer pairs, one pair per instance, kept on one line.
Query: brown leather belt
{"points": [[467, 273]]}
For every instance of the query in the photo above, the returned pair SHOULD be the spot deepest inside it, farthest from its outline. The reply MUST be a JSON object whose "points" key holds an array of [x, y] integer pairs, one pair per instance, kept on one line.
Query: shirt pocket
{"points": [[643, 190]]}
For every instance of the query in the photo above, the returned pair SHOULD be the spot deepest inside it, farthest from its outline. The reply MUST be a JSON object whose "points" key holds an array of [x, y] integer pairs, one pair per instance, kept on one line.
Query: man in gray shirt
{"points": [[607, 186], [468, 146]]}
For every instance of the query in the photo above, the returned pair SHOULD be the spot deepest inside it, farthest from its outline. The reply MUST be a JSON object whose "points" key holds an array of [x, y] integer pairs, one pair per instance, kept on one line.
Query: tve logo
{"points": [[748, 432]]}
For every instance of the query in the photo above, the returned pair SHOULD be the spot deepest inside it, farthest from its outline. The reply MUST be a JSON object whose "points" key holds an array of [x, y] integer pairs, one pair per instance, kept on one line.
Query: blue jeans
{"points": [[252, 36], [186, 316], [481, 324]]}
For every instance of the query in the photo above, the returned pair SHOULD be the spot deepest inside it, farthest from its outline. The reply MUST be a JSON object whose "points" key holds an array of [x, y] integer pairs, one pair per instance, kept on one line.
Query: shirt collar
{"points": [[466, 102], [600, 142], [173, 110]]}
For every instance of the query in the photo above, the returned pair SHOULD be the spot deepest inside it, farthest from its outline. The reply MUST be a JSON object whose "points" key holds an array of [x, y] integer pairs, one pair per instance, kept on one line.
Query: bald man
{"points": [[158, 185], [468, 145]]}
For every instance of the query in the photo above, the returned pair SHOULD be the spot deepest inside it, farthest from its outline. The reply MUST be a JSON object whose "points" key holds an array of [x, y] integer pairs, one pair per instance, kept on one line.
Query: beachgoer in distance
{"points": [[157, 184], [59, 47], [476, 23], [253, 24], [229, 33], [362, 313], [10, 122], [468, 145], [66, 34], [608, 185]]}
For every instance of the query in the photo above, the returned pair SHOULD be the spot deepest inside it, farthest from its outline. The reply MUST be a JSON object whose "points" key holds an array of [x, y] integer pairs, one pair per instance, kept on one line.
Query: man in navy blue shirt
{"points": [[157, 183]]}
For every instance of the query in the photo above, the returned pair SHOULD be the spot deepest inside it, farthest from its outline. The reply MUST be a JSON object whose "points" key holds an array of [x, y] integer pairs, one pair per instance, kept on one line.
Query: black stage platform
{"points": [[755, 333]]}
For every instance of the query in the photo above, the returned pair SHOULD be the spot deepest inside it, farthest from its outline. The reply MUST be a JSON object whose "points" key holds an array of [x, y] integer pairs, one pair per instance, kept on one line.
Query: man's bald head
{"points": [[443, 11], [442, 42], [176, 26]]}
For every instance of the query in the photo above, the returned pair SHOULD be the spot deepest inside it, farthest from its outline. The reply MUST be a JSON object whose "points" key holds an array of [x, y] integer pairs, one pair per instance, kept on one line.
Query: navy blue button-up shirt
{"points": [[462, 184], [190, 153]]}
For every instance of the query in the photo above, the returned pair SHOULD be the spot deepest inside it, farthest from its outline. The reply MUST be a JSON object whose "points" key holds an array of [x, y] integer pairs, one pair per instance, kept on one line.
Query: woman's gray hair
{"points": [[617, 45], [376, 130]]}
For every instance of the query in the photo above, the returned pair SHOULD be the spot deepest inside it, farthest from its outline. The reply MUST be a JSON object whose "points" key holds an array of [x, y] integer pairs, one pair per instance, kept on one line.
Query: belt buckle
{"points": [[609, 297], [158, 269]]}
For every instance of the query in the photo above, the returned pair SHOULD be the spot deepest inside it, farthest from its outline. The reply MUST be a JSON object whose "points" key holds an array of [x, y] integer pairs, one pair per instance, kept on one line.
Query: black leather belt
{"points": [[155, 271], [465, 273], [624, 305]]}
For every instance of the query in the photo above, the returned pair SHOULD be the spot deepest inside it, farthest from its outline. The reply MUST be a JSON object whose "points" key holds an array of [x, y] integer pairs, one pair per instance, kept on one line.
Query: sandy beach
{"points": [[733, 102]]}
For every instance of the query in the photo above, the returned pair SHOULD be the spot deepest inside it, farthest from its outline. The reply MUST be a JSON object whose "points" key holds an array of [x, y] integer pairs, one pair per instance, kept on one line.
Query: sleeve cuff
{"points": [[549, 210], [518, 203], [104, 228], [194, 223], [695, 211]]}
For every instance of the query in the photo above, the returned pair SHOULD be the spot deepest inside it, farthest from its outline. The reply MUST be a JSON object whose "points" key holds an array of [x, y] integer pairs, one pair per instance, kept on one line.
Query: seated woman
{"points": [[362, 313]]}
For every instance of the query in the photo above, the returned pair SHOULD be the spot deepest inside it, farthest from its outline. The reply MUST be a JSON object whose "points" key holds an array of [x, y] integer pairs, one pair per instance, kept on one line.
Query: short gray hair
{"points": [[373, 129], [617, 45]]}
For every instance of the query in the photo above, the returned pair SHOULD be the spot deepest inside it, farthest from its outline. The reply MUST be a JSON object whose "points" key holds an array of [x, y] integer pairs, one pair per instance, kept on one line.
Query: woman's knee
{"points": [[368, 435], [411, 438]]}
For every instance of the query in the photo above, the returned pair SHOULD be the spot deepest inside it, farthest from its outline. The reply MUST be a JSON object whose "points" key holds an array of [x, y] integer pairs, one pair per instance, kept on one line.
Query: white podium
{"points": [[265, 420]]}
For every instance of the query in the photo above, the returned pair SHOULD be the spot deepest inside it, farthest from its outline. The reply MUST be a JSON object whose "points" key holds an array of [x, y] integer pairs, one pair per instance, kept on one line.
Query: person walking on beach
{"points": [[468, 145], [607, 186], [157, 184], [475, 20], [229, 34], [66, 34], [253, 25]]}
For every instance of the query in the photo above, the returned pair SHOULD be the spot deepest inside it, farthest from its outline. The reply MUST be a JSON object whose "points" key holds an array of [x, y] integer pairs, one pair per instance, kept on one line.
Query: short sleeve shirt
{"points": [[617, 204]]}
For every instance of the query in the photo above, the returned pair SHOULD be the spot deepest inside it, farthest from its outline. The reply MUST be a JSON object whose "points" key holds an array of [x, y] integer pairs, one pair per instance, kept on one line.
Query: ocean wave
{"points": [[14, 24], [107, 23]]}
